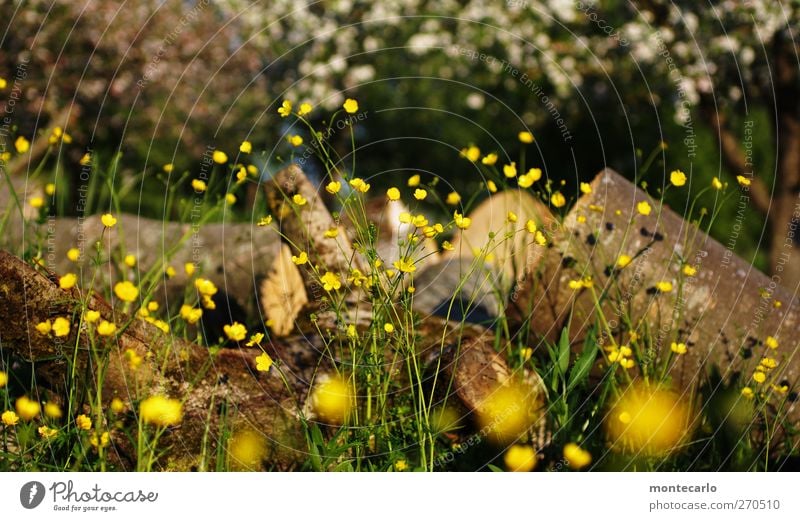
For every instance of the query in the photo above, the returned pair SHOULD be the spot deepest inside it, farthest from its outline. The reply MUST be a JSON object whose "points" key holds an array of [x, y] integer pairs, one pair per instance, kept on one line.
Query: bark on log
{"points": [[723, 314]]}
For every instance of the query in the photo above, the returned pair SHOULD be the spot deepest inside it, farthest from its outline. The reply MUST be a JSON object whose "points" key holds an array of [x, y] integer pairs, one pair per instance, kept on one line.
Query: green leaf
{"points": [[583, 365], [494, 468], [563, 352]]}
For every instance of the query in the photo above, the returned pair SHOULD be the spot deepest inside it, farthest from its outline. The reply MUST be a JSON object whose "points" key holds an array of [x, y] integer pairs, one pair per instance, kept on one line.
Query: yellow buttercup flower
{"points": [[743, 181], [389, 328], [689, 270], [420, 194], [520, 458], [22, 145], [300, 259], [491, 186], [100, 441], [61, 327], [168, 168], [771, 342], [461, 221], [108, 220], [305, 108], [68, 281], [236, 331], [285, 109], [393, 194], [359, 185], [230, 198], [558, 200], [246, 147], [295, 140], [331, 281], [623, 260], [189, 268], [299, 200], [36, 202], [83, 422], [447, 246], [405, 265], [414, 181], [331, 233], [52, 410], [643, 207], [130, 260], [264, 221], [161, 411], [489, 159], [219, 157], [263, 362], [47, 432], [126, 291], [453, 198], [255, 339], [508, 412], [525, 137], [50, 189], [73, 254], [26, 408], [510, 171], [350, 106], [106, 328], [3, 379], [205, 287], [190, 314], [333, 187], [664, 286], [9, 418], [91, 316], [678, 348], [716, 183], [199, 185], [577, 458], [677, 178], [332, 400], [748, 393], [44, 327], [472, 153], [511, 217], [586, 188], [530, 226]]}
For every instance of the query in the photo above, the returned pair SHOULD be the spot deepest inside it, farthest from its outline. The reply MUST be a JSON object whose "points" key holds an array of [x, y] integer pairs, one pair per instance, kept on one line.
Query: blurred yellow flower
{"points": [[414, 181], [520, 458], [27, 409], [300, 259], [230, 198], [489, 159], [716, 183], [586, 188], [199, 185], [161, 411], [648, 420], [332, 400], [299, 200], [189, 268], [510, 171], [205, 287], [100, 441], [106, 328], [643, 207], [22, 145], [508, 412], [405, 265], [678, 348], [47, 432], [247, 450], [491, 186], [453, 198], [50, 189], [689, 270], [190, 314], [36, 202], [577, 458], [359, 185], [68, 281], [389, 328], [393, 194], [623, 260], [130, 260], [525, 137], [168, 168], [3, 379], [420, 194], [117, 405], [664, 286], [126, 291], [511, 217], [246, 147], [52, 410], [447, 246], [472, 153], [558, 200], [219, 157], [742, 180], [759, 376], [295, 140], [73, 254], [771, 342]]}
